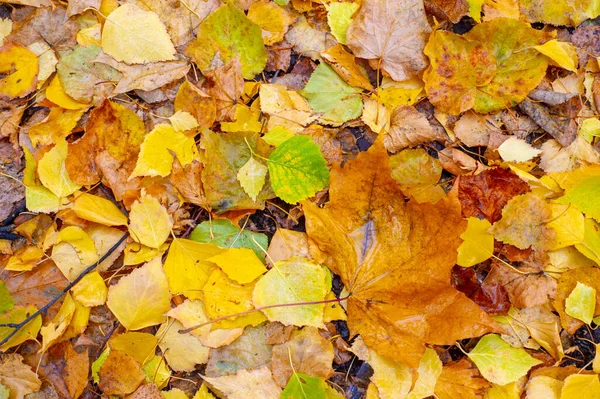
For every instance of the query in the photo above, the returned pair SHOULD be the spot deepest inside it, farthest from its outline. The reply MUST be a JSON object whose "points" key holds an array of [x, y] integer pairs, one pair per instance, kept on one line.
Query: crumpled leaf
{"points": [[225, 33], [499, 362], [392, 33], [344, 64], [141, 298], [287, 108], [17, 376], [19, 69], [556, 158], [144, 41], [328, 94], [389, 270], [524, 223], [53, 331], [258, 381], [408, 128], [305, 352], [160, 147], [293, 281], [149, 222]]}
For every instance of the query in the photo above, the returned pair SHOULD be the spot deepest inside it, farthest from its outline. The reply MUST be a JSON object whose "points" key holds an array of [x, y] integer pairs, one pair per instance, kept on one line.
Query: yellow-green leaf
{"points": [[252, 177], [339, 17], [581, 303], [293, 281], [585, 195], [499, 362], [478, 244]]}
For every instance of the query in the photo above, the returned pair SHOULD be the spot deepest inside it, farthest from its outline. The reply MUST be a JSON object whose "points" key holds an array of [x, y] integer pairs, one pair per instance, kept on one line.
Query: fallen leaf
{"points": [[97, 209], [293, 281], [140, 346], [149, 222], [580, 386], [517, 150], [273, 20], [18, 377], [141, 298], [562, 53], [225, 33], [182, 351], [258, 381], [478, 244], [223, 233], [53, 331], [305, 352], [120, 374], [145, 41], [17, 315], [500, 363], [393, 33], [239, 264], [252, 177], [418, 175], [53, 172], [408, 128], [57, 126], [460, 380], [339, 17], [297, 169], [561, 12], [19, 68], [358, 242]]}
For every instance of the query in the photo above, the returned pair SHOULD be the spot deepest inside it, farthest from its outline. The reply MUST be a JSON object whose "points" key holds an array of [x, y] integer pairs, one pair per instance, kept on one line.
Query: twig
{"points": [[90, 268]]}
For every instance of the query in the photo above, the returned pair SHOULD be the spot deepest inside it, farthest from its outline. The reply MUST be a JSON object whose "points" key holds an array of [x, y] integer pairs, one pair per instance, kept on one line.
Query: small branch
{"points": [[280, 305], [17, 327]]}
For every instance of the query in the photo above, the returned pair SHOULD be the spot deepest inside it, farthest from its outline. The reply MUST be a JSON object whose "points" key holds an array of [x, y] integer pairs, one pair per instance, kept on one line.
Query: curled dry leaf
{"points": [[408, 127]]}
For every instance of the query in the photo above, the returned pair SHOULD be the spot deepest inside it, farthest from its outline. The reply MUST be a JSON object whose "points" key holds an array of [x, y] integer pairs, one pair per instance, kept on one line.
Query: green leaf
{"points": [[6, 300], [223, 233], [581, 303], [302, 386], [252, 177], [97, 364], [297, 169], [227, 33], [499, 362], [277, 136], [585, 195], [327, 93]]}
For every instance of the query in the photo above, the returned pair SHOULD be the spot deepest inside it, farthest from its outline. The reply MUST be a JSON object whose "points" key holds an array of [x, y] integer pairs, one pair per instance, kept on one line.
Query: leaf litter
{"points": [[295, 199]]}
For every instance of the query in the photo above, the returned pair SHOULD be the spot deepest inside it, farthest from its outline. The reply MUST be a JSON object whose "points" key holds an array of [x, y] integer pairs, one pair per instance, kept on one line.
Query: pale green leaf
{"points": [[252, 177]]}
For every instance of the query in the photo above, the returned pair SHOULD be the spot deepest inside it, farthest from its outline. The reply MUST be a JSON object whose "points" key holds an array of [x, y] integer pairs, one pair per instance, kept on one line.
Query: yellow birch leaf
{"points": [[293, 281], [141, 298], [277, 136], [17, 315], [478, 244], [224, 297], [272, 19], [252, 177], [157, 372], [182, 351], [187, 267], [581, 386], [563, 54], [239, 264], [156, 152], [81, 241], [90, 290], [140, 346], [182, 121], [79, 321], [149, 222], [55, 329], [339, 17], [24, 260], [56, 94], [18, 69], [135, 36], [568, 224], [40, 199], [581, 303], [97, 209], [53, 172], [203, 393]]}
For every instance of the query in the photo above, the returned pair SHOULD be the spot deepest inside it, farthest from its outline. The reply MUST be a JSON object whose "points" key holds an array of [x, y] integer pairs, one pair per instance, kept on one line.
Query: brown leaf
{"points": [[80, 6], [17, 377], [120, 374], [486, 193], [226, 85], [408, 128], [187, 181], [562, 129], [197, 103], [395, 260], [146, 391], [35, 28], [145, 77], [392, 32], [306, 352], [345, 66], [36, 287], [567, 281], [259, 381], [460, 380], [452, 10], [525, 290]]}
